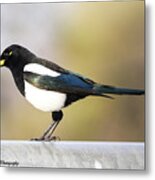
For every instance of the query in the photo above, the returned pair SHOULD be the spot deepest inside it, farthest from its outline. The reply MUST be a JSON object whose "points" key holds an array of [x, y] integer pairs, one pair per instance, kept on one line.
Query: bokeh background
{"points": [[101, 40]]}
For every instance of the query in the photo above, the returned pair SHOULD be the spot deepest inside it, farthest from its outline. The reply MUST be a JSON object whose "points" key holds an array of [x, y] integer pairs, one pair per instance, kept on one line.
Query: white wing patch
{"points": [[40, 69], [44, 100]]}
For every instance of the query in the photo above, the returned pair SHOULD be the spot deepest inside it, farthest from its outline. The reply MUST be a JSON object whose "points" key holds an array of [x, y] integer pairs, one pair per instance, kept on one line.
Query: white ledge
{"points": [[61, 154]]}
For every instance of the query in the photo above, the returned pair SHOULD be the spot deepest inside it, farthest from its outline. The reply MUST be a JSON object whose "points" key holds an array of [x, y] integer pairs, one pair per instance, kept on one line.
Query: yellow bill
{"points": [[2, 62]]}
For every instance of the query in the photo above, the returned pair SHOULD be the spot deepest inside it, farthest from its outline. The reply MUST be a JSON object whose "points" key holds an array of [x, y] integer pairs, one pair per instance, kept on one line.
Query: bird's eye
{"points": [[10, 53]]}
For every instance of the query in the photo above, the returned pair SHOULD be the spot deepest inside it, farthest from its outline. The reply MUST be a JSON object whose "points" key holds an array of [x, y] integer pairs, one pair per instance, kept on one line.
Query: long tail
{"points": [[104, 89]]}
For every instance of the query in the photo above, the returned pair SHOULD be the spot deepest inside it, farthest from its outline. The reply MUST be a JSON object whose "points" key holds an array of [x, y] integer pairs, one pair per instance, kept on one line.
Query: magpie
{"points": [[49, 87]]}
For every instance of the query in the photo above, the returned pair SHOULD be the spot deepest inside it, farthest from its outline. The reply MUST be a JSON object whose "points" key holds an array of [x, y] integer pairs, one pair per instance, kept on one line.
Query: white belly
{"points": [[44, 100]]}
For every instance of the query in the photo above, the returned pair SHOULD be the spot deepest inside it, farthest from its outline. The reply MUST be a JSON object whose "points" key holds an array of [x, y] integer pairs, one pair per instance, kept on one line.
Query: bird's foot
{"points": [[53, 138], [38, 139]]}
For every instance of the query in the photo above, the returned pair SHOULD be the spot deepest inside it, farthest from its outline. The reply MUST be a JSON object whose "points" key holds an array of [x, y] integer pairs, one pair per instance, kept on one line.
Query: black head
{"points": [[15, 55]]}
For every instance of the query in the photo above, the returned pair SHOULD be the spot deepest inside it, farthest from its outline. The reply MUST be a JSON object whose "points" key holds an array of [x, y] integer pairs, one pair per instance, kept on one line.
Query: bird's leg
{"points": [[50, 137], [57, 116], [45, 133]]}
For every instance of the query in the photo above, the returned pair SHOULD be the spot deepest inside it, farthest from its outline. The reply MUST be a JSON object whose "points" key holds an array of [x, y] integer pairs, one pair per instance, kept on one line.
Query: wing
{"points": [[57, 68], [65, 83], [50, 65]]}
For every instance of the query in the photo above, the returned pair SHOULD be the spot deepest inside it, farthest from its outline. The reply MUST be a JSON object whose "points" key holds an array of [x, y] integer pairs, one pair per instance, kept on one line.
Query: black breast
{"points": [[19, 80]]}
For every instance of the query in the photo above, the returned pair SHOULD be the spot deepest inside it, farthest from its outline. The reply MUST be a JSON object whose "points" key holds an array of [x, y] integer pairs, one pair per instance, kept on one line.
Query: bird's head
{"points": [[15, 55]]}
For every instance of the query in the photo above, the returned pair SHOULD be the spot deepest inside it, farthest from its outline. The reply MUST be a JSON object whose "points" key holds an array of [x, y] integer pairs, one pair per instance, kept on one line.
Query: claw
{"points": [[53, 138], [38, 139]]}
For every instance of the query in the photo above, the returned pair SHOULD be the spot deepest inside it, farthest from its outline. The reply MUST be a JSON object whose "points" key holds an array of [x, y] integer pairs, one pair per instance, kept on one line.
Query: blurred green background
{"points": [[101, 40]]}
